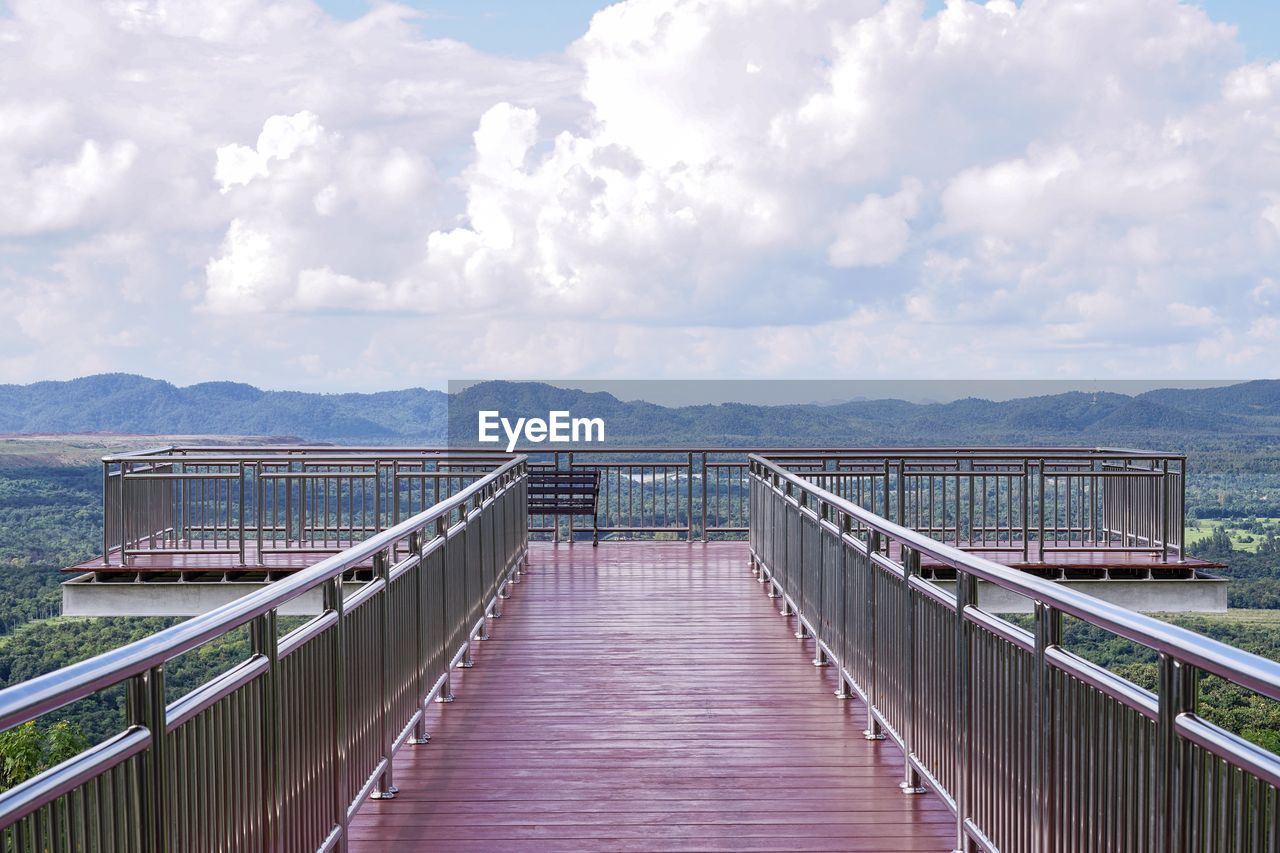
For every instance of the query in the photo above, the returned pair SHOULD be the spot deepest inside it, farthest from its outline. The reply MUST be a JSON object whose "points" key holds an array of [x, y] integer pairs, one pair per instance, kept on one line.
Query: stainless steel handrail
{"points": [[263, 755], [251, 502], [1030, 745], [30, 699], [170, 452], [1257, 673]]}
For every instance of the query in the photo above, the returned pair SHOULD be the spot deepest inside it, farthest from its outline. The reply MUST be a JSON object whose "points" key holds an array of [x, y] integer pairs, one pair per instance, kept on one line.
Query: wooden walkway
{"points": [[648, 696]]}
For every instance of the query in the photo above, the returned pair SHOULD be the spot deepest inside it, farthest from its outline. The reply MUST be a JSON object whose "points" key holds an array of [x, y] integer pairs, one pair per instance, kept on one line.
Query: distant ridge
{"points": [[125, 403], [120, 402]]}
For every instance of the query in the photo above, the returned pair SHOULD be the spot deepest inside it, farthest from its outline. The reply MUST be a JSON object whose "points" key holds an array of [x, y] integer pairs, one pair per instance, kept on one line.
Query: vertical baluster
{"points": [[688, 497], [910, 728], [1044, 772], [873, 730], [1179, 689], [145, 707], [333, 603], [966, 596]]}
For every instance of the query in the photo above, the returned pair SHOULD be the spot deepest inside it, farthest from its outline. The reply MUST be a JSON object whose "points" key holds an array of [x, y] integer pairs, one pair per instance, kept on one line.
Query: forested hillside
{"points": [[1246, 413]]}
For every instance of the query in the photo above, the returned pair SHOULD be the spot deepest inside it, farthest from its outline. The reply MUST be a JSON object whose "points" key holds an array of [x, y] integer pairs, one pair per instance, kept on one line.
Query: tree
{"points": [[1217, 546], [29, 749]]}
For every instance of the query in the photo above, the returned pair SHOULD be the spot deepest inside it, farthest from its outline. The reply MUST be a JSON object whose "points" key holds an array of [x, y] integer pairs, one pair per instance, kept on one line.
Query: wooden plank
{"points": [[648, 696]]}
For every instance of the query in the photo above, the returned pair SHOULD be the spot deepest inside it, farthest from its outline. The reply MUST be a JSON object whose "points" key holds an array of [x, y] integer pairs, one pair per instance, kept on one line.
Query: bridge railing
{"points": [[1032, 501], [1032, 746], [250, 503], [278, 751]]}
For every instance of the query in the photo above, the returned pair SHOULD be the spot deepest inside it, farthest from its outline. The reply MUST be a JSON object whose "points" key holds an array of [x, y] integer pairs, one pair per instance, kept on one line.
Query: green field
{"points": [[1241, 538]]}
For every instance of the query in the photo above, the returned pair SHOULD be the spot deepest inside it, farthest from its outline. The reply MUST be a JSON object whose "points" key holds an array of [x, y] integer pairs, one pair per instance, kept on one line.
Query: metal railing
{"points": [[278, 751], [1033, 500], [251, 502], [680, 493], [1031, 746]]}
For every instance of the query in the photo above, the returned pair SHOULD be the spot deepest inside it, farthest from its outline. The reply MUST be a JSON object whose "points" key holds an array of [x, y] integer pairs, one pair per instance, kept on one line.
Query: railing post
{"points": [[873, 730], [902, 493], [688, 500], [822, 606], [263, 636], [1164, 510], [106, 513], [796, 580], [338, 694], [966, 596], [386, 789], [842, 689], [123, 518], [1182, 510], [243, 498], [704, 497], [555, 519], [442, 532], [786, 551], [885, 514], [1040, 499], [420, 655], [395, 494], [467, 648], [1026, 507], [288, 507], [145, 704], [377, 497], [1178, 692], [910, 567], [258, 510], [571, 517], [1044, 772]]}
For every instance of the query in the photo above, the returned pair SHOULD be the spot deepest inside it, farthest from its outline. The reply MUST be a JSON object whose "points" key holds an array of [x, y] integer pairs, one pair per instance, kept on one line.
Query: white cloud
{"points": [[281, 137], [54, 195], [250, 274], [720, 188], [875, 231]]}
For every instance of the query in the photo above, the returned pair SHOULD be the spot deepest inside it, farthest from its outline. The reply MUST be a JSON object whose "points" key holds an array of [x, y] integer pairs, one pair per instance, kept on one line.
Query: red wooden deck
{"points": [[648, 696]]}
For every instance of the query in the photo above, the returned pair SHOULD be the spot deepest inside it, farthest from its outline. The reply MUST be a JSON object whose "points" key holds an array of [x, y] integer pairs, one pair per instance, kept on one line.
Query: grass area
{"points": [[1241, 540], [1244, 615]]}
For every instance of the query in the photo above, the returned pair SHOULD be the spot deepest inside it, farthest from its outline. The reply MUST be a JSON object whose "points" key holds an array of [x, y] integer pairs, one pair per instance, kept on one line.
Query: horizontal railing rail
{"points": [[278, 751], [1037, 501], [1032, 746], [253, 503]]}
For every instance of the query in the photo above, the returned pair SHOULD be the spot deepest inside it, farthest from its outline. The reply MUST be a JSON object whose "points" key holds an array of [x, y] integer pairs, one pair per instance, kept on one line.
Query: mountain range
{"points": [[124, 403]]}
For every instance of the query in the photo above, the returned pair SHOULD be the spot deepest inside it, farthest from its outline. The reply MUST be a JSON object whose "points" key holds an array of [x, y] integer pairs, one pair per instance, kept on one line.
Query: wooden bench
{"points": [[555, 491]]}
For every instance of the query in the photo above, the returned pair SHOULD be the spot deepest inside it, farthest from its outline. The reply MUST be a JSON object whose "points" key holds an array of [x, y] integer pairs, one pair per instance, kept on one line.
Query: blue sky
{"points": [[524, 28]]}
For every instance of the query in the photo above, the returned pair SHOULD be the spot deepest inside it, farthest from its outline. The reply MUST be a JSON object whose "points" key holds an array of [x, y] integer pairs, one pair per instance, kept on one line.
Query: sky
{"points": [[521, 28], [348, 196]]}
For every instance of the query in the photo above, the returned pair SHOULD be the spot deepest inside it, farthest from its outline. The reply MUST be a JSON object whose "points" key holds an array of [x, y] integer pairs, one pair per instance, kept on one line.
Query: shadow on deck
{"points": [[648, 697]]}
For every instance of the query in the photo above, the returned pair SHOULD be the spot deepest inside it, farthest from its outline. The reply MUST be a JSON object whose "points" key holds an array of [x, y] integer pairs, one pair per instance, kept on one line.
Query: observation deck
{"points": [[802, 650], [188, 529]]}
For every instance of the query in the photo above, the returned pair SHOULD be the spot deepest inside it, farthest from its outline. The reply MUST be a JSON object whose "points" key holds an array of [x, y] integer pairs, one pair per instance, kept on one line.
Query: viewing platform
{"points": [[801, 650], [203, 526]]}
